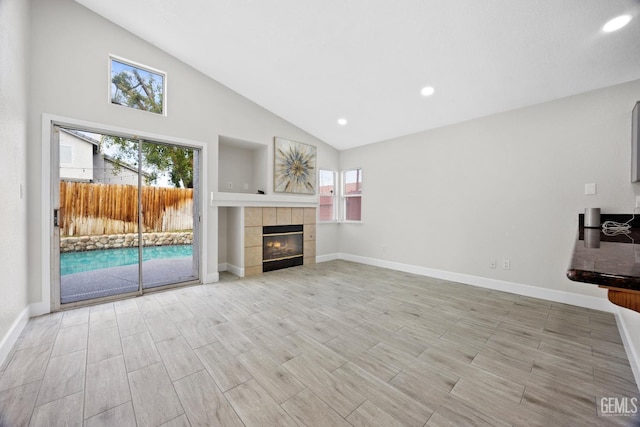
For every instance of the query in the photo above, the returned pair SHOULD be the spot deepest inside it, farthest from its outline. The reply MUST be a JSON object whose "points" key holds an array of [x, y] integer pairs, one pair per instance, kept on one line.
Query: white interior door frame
{"points": [[49, 161]]}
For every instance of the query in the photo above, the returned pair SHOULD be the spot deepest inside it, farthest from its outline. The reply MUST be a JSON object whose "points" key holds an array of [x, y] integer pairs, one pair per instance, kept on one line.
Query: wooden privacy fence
{"points": [[91, 209]]}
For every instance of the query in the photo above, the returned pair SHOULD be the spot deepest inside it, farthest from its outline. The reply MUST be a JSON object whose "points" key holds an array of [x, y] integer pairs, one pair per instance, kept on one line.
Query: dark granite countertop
{"points": [[605, 260]]}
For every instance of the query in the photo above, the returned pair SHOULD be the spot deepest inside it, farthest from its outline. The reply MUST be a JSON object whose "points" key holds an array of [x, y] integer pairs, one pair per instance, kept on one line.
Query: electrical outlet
{"points": [[230, 185], [506, 264], [492, 263], [246, 186], [637, 201]]}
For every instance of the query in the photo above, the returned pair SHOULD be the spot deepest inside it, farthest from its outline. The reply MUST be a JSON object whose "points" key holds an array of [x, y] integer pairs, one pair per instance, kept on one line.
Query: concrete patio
{"points": [[118, 280]]}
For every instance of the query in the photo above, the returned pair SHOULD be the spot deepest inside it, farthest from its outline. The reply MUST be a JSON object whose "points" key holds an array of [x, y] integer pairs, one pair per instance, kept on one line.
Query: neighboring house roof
{"points": [[125, 165], [106, 157], [82, 136]]}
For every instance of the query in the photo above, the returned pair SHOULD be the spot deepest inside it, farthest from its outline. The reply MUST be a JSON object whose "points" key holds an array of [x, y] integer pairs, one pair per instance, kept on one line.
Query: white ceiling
{"points": [[314, 61]]}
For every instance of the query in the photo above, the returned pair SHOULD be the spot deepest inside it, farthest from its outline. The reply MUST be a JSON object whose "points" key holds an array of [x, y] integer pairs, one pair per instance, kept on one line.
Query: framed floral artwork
{"points": [[295, 167]]}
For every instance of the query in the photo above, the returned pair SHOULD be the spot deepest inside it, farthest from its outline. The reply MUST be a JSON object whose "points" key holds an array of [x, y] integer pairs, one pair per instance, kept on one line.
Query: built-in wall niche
{"points": [[242, 166]]}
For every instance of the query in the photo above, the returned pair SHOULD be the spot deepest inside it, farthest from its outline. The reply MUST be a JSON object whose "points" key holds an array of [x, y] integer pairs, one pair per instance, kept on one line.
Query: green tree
{"points": [[157, 159], [137, 88], [138, 91]]}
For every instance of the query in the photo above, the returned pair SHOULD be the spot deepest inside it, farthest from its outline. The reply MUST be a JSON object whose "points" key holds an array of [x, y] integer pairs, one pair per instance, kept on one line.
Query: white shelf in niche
{"points": [[223, 199], [246, 164]]}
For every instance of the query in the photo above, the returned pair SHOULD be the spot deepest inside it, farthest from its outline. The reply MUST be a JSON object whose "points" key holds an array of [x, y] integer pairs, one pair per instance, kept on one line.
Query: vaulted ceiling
{"points": [[313, 62]]}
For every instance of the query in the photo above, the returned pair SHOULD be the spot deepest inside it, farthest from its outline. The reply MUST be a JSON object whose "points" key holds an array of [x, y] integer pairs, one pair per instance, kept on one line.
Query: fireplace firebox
{"points": [[282, 246]]}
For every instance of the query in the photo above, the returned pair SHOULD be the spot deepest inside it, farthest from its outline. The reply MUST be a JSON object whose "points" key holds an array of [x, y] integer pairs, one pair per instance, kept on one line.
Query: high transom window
{"points": [[137, 86]]}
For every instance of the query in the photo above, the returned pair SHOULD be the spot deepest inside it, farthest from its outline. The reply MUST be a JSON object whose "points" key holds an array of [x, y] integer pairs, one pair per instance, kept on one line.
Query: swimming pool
{"points": [[78, 262]]}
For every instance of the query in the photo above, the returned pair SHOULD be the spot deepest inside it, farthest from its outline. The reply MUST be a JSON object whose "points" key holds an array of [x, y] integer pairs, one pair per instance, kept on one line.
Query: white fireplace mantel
{"points": [[222, 199]]}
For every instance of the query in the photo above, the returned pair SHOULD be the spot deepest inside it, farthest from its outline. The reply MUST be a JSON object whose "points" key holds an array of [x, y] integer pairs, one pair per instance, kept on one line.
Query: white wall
{"points": [[235, 240], [508, 186], [14, 71], [236, 167], [70, 61]]}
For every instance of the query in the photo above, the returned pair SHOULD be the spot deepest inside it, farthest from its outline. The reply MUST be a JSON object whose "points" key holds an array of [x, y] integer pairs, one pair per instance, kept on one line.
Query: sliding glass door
{"points": [[125, 215], [168, 254]]}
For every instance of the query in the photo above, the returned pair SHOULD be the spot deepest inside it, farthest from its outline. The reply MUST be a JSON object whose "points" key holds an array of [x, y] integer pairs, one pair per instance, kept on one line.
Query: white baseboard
{"points": [[325, 258], [14, 332], [235, 270], [38, 309], [484, 282], [631, 347], [212, 278]]}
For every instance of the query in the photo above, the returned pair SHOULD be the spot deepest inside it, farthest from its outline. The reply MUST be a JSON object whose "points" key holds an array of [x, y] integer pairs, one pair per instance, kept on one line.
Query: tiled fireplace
{"points": [[278, 237], [282, 246]]}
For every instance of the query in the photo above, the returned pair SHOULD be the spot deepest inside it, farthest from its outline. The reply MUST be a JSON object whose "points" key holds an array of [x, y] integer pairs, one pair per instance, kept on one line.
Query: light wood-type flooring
{"points": [[335, 344]]}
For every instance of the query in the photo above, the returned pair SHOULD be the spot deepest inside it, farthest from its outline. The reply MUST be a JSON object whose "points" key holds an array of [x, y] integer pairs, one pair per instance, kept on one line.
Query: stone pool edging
{"points": [[114, 241]]}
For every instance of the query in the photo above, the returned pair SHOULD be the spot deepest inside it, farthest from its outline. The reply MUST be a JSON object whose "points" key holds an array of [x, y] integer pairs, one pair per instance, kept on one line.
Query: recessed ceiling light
{"points": [[427, 91], [342, 122], [616, 23]]}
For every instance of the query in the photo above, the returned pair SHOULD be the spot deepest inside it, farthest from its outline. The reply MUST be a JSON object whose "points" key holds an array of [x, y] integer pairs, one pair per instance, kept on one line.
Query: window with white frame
{"points": [[327, 192], [137, 86], [352, 194]]}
